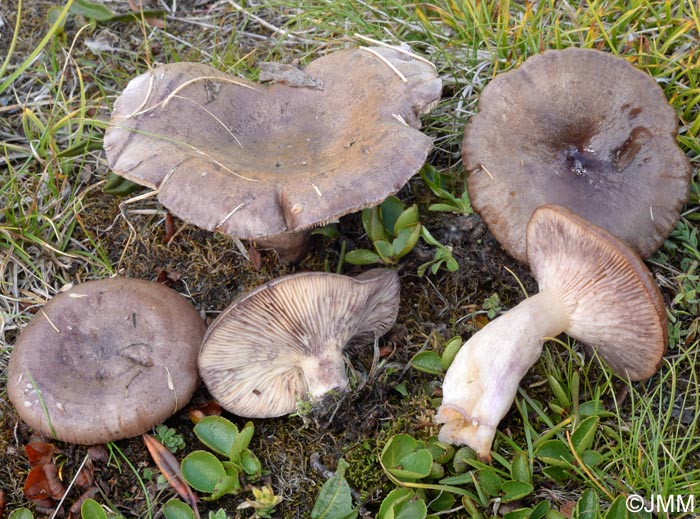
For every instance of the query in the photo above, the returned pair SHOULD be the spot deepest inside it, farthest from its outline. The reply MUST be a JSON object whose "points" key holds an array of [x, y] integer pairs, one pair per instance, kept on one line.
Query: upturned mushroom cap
{"points": [[582, 129], [611, 300], [106, 360], [256, 160], [283, 341]]}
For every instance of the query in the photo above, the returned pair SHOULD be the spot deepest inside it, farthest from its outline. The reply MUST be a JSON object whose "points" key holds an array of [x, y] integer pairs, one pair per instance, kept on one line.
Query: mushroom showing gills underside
{"points": [[593, 287], [283, 342], [269, 161], [583, 129], [106, 360]]}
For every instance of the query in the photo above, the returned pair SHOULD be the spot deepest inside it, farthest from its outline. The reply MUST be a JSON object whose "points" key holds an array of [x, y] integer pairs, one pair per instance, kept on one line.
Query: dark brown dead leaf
{"points": [[169, 466], [36, 487], [39, 453], [55, 486], [255, 258], [169, 228], [85, 477], [2, 502], [210, 408], [567, 508], [98, 453]]}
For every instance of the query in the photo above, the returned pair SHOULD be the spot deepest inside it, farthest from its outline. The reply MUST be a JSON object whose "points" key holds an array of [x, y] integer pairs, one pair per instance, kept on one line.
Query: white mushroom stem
{"points": [[480, 385], [324, 372]]}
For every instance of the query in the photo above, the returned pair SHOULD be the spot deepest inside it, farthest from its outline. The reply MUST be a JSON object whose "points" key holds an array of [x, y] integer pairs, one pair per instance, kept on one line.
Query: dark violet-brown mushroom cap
{"points": [[611, 300], [106, 360], [257, 160], [283, 342], [582, 129]]}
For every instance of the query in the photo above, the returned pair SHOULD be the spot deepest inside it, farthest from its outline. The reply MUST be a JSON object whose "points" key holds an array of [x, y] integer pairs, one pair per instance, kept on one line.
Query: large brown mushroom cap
{"points": [[283, 341], [106, 360], [254, 160], [611, 300], [582, 129]]}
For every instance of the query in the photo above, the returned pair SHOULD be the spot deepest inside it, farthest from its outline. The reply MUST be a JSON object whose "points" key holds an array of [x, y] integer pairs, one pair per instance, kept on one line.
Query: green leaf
{"points": [[414, 509], [587, 505], [362, 257], [372, 222], [328, 231], [403, 458], [427, 362], [555, 453], [176, 509], [559, 394], [457, 480], [520, 467], [226, 485], [91, 509], [390, 210], [558, 474], [446, 208], [406, 241], [241, 441], [541, 510], [489, 481], [592, 458], [451, 349], [584, 434], [385, 251], [618, 509], [251, 464], [334, 501], [462, 459], [217, 433], [470, 506], [408, 218], [514, 490], [202, 470], [21, 513], [443, 501], [92, 10], [387, 510], [594, 408], [442, 452], [520, 513], [119, 186]]}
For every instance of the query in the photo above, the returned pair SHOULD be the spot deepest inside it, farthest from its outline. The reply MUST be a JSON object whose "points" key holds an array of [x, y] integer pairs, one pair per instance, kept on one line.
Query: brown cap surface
{"points": [[106, 360], [610, 296], [582, 129], [275, 345], [254, 161]]}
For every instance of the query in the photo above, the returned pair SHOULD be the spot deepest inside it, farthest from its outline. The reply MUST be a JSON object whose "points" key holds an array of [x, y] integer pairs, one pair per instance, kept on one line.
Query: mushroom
{"points": [[283, 341], [106, 360], [593, 287], [583, 129], [269, 162]]}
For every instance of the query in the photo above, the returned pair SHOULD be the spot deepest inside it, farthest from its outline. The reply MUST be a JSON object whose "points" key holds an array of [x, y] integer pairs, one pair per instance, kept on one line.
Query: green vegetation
{"points": [[206, 473], [578, 439]]}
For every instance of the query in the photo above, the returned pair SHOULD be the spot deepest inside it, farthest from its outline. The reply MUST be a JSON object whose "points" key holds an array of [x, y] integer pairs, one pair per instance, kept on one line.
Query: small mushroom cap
{"points": [[253, 160], [610, 296], [260, 353], [583, 129], [106, 360]]}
